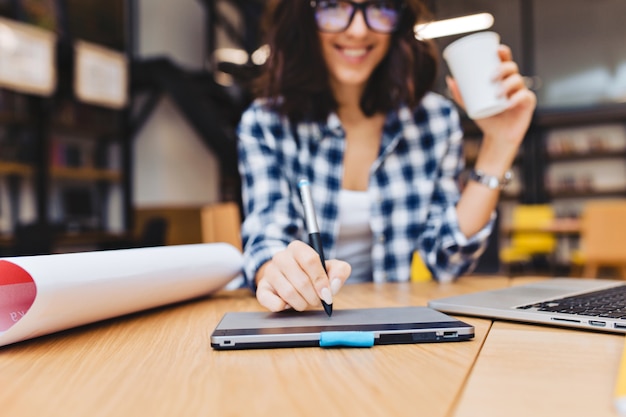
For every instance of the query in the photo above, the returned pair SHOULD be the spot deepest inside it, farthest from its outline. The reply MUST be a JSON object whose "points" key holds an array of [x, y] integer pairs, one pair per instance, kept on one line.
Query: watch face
{"points": [[492, 182]]}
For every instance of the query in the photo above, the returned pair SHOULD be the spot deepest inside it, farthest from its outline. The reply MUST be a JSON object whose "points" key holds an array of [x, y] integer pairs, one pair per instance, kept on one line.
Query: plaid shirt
{"points": [[413, 189]]}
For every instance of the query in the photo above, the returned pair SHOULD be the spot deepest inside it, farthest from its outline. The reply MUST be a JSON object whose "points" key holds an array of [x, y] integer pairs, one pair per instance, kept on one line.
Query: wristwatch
{"points": [[491, 181]]}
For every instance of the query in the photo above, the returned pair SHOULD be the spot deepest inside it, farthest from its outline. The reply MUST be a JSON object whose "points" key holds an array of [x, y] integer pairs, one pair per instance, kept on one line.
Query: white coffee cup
{"points": [[473, 61]]}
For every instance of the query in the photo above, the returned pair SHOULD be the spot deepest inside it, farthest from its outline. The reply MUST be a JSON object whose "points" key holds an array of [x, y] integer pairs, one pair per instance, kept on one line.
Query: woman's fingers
{"points": [[505, 53], [506, 69], [522, 99], [314, 281], [268, 298], [512, 84], [296, 278], [275, 283], [338, 273]]}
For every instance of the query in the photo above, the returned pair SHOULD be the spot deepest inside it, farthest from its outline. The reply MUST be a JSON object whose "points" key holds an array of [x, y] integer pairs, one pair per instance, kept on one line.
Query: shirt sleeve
{"points": [[270, 218], [445, 249]]}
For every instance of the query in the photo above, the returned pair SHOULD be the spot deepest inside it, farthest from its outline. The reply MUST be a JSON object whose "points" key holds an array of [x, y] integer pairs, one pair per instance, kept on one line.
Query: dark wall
{"points": [[575, 50]]}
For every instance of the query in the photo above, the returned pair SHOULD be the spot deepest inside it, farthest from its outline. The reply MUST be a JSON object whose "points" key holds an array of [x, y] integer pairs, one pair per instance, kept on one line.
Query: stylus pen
{"points": [[315, 239]]}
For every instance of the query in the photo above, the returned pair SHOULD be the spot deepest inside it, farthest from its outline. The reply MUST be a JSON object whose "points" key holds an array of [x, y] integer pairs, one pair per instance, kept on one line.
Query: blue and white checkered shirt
{"points": [[413, 188]]}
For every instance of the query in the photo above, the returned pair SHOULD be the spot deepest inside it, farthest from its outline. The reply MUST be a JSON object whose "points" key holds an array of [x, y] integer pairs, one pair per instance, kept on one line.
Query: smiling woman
{"points": [[297, 72], [345, 102]]}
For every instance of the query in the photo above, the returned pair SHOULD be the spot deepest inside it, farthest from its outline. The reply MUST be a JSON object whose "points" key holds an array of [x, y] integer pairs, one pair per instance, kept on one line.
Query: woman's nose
{"points": [[358, 27]]}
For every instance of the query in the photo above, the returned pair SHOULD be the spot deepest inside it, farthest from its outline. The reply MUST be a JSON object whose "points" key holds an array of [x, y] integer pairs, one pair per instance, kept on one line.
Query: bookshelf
{"points": [[585, 155], [64, 149]]}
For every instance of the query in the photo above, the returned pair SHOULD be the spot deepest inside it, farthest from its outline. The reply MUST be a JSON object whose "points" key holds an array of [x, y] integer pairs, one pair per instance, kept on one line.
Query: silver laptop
{"points": [[348, 327], [597, 304]]}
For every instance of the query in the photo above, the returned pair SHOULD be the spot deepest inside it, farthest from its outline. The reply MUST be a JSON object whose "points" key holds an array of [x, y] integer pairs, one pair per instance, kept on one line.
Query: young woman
{"points": [[346, 104]]}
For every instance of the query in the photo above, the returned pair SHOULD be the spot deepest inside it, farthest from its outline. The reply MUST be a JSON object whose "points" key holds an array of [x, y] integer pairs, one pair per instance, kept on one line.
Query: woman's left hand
{"points": [[504, 132]]}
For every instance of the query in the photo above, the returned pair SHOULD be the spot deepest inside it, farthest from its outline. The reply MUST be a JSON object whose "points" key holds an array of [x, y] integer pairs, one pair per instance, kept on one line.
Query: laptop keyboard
{"points": [[610, 303]]}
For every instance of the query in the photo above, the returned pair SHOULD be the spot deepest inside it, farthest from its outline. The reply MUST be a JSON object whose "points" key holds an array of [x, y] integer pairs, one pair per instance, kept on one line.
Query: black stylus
{"points": [[315, 239]]}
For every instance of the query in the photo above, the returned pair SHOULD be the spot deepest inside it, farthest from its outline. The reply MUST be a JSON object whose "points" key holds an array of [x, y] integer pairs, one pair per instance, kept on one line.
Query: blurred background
{"points": [[117, 123]]}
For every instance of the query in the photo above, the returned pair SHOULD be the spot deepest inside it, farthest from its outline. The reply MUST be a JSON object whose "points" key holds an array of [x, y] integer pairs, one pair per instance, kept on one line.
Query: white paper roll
{"points": [[47, 293]]}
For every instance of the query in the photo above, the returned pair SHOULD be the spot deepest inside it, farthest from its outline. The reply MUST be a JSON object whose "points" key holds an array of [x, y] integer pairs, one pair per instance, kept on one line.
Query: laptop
{"points": [[596, 304], [346, 328]]}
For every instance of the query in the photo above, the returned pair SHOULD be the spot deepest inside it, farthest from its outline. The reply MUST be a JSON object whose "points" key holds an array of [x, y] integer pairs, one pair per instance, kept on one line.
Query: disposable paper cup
{"points": [[473, 61]]}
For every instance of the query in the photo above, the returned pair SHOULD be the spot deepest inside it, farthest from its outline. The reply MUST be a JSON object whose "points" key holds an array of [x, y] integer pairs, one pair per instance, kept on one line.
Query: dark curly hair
{"points": [[295, 78]]}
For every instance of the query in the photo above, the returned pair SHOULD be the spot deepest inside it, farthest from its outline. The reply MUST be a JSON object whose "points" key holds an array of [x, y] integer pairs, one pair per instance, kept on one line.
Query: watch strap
{"points": [[491, 181]]}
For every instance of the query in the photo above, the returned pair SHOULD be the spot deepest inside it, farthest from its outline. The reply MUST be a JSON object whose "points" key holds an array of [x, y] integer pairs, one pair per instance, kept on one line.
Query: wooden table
{"points": [[160, 363]]}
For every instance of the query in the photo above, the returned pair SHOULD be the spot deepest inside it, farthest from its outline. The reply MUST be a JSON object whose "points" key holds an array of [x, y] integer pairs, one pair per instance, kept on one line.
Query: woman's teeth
{"points": [[355, 53]]}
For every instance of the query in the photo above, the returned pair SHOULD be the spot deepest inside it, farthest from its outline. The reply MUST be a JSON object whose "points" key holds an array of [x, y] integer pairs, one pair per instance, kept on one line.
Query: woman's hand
{"points": [[503, 132], [295, 278]]}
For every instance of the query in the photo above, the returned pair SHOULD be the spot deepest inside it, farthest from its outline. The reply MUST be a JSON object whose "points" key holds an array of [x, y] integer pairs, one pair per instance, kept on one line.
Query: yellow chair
{"points": [[602, 238], [419, 270], [530, 235]]}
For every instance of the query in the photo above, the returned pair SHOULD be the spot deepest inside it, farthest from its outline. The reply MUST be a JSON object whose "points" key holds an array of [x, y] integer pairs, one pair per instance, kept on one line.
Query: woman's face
{"points": [[352, 55]]}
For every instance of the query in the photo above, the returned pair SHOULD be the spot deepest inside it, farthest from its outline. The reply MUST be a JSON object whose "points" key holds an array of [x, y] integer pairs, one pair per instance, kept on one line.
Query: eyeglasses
{"points": [[336, 15]]}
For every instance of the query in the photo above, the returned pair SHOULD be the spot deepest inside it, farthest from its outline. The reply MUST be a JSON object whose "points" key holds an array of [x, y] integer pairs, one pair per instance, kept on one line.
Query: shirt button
{"points": [[381, 238]]}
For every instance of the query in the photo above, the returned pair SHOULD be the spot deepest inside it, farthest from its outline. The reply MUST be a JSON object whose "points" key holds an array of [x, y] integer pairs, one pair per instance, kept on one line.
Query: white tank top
{"points": [[354, 242]]}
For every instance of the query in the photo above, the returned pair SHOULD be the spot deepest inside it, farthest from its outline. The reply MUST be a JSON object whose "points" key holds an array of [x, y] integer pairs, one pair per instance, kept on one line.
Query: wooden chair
{"points": [[602, 238], [221, 222]]}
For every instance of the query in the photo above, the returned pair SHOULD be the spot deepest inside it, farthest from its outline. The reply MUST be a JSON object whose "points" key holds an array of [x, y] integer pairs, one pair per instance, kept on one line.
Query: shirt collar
{"points": [[333, 124], [393, 124]]}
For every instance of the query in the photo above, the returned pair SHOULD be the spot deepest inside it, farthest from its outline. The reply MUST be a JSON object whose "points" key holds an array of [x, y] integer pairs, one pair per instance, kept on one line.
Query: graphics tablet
{"points": [[348, 327]]}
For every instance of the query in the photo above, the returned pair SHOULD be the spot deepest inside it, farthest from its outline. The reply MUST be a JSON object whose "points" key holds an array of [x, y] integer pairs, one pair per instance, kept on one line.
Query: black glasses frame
{"points": [[361, 7]]}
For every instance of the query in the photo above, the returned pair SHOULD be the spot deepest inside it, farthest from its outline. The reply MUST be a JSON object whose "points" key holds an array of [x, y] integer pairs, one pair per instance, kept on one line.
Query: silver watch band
{"points": [[491, 181]]}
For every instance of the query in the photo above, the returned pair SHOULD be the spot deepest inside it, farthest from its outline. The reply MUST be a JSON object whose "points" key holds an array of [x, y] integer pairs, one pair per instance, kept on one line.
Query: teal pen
{"points": [[315, 239]]}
